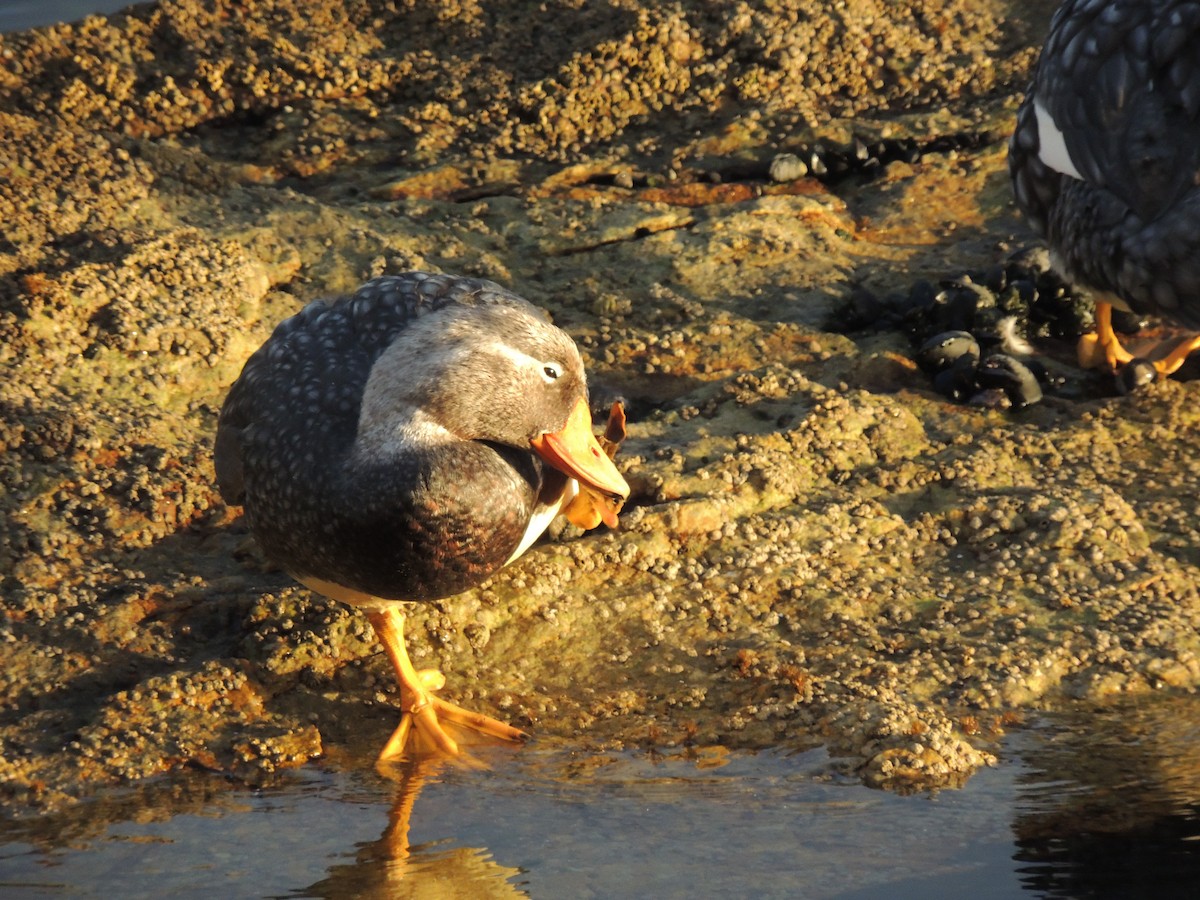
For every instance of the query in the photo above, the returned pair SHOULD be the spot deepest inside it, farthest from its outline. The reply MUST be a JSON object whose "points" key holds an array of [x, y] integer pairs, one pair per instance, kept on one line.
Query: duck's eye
{"points": [[551, 371]]}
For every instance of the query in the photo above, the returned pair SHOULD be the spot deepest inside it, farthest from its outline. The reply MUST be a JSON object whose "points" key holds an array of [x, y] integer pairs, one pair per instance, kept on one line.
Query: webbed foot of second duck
{"points": [[1104, 349], [1174, 358], [1166, 357]]}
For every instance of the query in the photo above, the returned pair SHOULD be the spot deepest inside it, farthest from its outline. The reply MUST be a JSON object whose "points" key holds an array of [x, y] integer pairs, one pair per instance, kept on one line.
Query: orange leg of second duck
{"points": [[1104, 347]]}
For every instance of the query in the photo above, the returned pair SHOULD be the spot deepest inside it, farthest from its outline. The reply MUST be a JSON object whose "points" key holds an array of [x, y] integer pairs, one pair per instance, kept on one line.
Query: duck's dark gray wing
{"points": [[1121, 81], [299, 396]]}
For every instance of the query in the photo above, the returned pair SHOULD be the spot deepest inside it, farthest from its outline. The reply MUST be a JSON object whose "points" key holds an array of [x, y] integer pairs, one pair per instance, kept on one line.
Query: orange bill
{"points": [[575, 451]]}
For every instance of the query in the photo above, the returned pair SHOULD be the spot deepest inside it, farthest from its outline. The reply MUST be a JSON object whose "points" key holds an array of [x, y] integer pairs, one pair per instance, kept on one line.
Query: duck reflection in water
{"points": [[392, 867]]}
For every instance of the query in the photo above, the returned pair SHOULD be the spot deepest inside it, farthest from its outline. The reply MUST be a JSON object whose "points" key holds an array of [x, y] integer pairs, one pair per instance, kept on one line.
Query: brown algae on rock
{"points": [[819, 548]]}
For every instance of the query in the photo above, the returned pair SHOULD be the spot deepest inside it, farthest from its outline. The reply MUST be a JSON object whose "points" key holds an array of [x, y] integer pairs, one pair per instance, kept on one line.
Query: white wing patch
{"points": [[1052, 148]]}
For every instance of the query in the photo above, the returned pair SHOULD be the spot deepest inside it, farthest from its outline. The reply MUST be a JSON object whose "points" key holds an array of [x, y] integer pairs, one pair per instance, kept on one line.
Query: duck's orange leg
{"points": [[1174, 359], [1104, 347], [423, 712]]}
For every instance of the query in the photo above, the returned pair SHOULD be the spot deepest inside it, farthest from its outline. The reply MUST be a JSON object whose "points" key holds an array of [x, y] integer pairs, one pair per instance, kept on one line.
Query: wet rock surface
{"points": [[725, 208]]}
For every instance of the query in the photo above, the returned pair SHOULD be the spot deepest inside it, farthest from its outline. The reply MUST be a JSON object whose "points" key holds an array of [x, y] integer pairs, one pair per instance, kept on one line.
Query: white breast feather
{"points": [[542, 518]]}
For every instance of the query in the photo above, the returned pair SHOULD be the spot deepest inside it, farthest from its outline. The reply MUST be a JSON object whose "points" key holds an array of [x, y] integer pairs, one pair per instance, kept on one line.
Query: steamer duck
{"points": [[405, 443]]}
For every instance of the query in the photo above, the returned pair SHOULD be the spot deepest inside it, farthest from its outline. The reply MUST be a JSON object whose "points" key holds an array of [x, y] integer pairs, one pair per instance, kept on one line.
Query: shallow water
{"points": [[17, 15], [1103, 805], [761, 824]]}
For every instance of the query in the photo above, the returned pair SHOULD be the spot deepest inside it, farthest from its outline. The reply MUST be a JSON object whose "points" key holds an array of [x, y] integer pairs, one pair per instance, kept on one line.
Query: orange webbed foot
{"points": [[430, 725], [1104, 349]]}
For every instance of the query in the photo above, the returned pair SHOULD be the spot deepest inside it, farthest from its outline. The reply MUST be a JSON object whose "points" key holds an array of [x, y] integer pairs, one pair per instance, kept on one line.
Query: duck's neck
{"points": [[402, 430], [395, 416]]}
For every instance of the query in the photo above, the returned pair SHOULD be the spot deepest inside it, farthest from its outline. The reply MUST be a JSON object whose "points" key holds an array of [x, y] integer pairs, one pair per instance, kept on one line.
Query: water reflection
{"points": [[1110, 806], [392, 867]]}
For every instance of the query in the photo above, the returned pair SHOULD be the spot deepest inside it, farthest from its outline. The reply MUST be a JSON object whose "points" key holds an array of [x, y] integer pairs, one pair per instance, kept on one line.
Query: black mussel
{"points": [[1002, 372], [980, 296], [957, 381], [922, 293], [1024, 292], [1039, 370], [1135, 374], [1067, 315], [995, 278], [838, 163], [991, 398], [955, 308], [1127, 322], [942, 350]]}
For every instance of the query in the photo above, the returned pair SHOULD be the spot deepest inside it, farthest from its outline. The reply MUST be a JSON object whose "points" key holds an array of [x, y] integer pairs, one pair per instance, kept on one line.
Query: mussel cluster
{"points": [[952, 359], [970, 333], [825, 163], [861, 156]]}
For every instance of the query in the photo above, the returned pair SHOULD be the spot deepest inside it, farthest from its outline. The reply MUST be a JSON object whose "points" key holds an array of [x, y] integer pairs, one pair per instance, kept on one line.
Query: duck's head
{"points": [[497, 372]]}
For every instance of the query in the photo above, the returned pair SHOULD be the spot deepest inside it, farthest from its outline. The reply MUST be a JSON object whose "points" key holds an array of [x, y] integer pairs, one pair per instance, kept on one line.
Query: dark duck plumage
{"points": [[1105, 161], [407, 442]]}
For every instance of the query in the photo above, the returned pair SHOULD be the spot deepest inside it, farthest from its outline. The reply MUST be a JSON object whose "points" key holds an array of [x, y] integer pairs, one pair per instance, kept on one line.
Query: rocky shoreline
{"points": [[820, 548]]}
